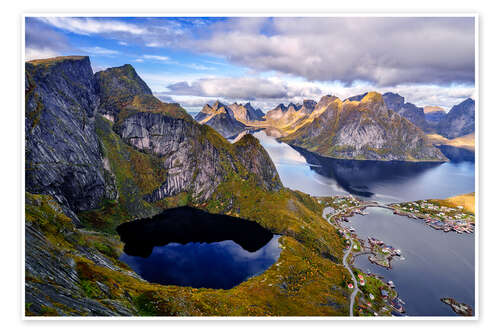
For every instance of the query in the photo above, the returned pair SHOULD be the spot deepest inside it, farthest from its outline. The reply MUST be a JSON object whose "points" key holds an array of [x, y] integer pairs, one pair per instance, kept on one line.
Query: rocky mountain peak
{"points": [[118, 86], [393, 101]]}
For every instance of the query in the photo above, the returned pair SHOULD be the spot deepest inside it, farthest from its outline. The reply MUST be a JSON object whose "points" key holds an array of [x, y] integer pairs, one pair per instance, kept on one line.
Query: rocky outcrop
{"points": [[289, 116], [221, 118], [416, 115], [117, 87], [63, 155], [195, 158], [459, 121], [258, 162], [246, 113], [365, 130]]}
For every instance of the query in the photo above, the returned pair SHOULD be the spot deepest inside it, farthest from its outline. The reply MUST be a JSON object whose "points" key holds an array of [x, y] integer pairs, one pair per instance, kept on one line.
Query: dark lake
{"points": [[189, 247], [436, 264]]}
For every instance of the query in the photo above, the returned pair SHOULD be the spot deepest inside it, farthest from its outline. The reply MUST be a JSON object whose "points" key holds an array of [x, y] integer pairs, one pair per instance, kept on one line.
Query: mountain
{"points": [[416, 115], [246, 113], [221, 118], [99, 138], [99, 154], [63, 152], [365, 130], [288, 117], [459, 121], [434, 114]]}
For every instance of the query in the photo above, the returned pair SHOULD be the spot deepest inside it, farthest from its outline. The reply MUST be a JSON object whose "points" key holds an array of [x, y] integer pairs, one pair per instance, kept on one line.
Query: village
{"points": [[377, 297], [437, 216]]}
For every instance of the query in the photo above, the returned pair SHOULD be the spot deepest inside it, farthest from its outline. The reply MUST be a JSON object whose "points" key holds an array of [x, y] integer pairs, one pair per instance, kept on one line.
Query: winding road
{"points": [[346, 265]]}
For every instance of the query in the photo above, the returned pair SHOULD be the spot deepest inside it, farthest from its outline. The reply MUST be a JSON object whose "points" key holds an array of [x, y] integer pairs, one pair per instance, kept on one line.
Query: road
{"points": [[346, 265], [355, 282]]}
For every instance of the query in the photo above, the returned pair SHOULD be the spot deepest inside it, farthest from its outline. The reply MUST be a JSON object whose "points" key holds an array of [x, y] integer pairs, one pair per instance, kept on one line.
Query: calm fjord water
{"points": [[436, 264]]}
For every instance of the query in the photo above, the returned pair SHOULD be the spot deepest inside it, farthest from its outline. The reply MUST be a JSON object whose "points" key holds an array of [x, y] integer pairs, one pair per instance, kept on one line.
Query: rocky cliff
{"points": [[221, 118], [459, 121], [364, 129], [416, 115], [103, 141], [246, 113], [63, 153]]}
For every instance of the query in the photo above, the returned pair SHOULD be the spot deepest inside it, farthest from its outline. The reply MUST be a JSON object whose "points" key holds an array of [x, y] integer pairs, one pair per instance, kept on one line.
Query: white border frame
{"points": [[328, 14]]}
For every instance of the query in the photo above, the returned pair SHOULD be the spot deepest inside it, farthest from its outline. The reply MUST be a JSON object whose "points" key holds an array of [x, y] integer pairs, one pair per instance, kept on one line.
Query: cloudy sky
{"points": [[193, 61]]}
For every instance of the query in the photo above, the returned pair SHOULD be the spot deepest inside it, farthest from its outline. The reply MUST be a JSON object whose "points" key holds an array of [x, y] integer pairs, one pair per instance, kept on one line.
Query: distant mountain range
{"points": [[393, 138], [363, 129]]}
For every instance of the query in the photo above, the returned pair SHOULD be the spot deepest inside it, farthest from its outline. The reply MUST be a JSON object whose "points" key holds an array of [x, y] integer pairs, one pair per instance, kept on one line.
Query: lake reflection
{"points": [[189, 247], [374, 180]]}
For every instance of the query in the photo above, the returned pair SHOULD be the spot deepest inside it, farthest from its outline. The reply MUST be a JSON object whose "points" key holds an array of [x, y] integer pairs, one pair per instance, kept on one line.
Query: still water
{"points": [[373, 180], [189, 247], [436, 264]]}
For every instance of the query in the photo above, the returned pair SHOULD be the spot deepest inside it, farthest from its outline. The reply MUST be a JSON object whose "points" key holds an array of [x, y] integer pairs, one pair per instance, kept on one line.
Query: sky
{"points": [[272, 60]]}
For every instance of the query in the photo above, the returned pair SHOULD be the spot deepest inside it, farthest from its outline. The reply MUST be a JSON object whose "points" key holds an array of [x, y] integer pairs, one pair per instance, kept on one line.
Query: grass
{"points": [[467, 201], [465, 142]]}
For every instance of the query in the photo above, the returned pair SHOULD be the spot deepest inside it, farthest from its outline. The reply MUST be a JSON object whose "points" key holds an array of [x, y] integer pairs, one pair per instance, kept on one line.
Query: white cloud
{"points": [[40, 53], [97, 50], [157, 58], [87, 26]]}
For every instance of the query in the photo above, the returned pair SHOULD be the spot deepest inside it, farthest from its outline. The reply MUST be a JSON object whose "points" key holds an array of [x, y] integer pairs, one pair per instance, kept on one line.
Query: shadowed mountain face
{"points": [[416, 115], [434, 114], [185, 225]]}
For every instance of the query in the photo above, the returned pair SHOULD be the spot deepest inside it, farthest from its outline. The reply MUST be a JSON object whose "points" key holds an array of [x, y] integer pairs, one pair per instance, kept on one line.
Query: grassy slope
{"points": [[302, 282], [466, 141], [468, 201]]}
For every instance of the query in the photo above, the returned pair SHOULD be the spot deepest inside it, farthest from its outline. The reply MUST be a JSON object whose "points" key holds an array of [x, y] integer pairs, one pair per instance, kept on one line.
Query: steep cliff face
{"points": [[63, 156], [192, 158], [362, 130], [106, 148], [459, 121]]}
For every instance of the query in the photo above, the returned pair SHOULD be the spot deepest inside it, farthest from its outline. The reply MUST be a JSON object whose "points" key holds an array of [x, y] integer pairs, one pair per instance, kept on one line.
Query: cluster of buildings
{"points": [[437, 216]]}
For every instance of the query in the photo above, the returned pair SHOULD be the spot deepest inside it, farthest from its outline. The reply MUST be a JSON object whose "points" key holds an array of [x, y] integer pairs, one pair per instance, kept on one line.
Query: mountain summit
{"points": [[366, 129]]}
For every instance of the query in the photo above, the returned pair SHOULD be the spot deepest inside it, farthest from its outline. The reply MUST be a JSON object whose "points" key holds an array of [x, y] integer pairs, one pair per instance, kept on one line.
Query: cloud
{"points": [[229, 87], [385, 51], [42, 41], [97, 50], [88, 26], [156, 57], [268, 92], [40, 53]]}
